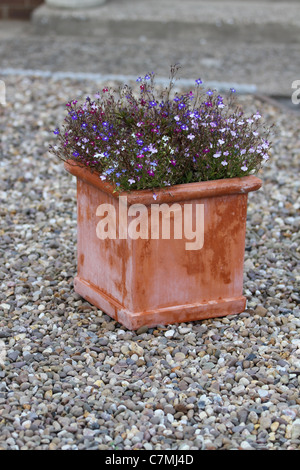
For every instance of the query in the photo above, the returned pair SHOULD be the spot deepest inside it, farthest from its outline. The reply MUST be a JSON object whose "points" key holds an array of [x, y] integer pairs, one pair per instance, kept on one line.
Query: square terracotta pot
{"points": [[148, 281]]}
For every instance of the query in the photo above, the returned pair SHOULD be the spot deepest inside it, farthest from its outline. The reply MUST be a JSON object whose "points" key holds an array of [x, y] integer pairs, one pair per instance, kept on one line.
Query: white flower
{"points": [[249, 120], [233, 133], [152, 149], [177, 118], [265, 145], [224, 163], [99, 155], [244, 168], [191, 136], [165, 138], [217, 155], [243, 151], [221, 141], [154, 196], [255, 133], [265, 156], [256, 116], [131, 181], [102, 177], [240, 123]]}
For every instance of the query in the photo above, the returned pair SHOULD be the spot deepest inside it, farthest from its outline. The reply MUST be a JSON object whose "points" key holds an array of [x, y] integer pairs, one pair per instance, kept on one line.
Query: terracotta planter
{"points": [[148, 281]]}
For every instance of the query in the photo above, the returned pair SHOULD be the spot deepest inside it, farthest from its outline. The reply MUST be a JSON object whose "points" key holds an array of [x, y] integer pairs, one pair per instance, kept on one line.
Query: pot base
{"points": [[160, 316]]}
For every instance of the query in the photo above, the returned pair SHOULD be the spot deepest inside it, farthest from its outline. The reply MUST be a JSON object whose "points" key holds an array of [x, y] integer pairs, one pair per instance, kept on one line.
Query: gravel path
{"points": [[72, 378]]}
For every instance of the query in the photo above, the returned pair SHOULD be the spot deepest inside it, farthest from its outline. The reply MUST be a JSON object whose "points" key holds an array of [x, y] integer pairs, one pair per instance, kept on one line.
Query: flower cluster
{"points": [[151, 138]]}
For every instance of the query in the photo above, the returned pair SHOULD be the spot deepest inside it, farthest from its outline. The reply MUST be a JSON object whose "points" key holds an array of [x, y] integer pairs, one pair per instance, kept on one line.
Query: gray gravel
{"points": [[72, 378]]}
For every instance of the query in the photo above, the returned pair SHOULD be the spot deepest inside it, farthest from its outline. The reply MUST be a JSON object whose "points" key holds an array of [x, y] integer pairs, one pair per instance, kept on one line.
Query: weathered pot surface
{"points": [[149, 281]]}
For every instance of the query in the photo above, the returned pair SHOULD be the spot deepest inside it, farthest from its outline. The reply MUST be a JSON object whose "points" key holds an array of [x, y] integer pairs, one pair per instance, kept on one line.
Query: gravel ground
{"points": [[72, 378]]}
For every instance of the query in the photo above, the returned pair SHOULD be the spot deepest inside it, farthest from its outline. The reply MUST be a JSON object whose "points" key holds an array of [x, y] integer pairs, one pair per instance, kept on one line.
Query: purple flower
{"points": [[198, 81], [140, 142], [152, 104], [209, 93], [56, 132], [233, 90], [84, 125]]}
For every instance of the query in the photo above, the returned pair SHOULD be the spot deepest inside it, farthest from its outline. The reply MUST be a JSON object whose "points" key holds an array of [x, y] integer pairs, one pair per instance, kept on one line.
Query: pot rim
{"points": [[179, 192]]}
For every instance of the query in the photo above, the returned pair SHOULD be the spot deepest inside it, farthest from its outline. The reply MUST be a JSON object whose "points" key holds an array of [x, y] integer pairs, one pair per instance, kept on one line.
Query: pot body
{"points": [[164, 278]]}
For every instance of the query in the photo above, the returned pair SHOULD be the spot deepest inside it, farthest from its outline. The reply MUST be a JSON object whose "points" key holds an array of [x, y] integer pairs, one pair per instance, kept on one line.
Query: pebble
{"points": [[295, 431], [73, 378]]}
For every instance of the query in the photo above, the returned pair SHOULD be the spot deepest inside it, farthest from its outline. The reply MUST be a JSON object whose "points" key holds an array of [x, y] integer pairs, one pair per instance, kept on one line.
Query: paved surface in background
{"points": [[245, 42]]}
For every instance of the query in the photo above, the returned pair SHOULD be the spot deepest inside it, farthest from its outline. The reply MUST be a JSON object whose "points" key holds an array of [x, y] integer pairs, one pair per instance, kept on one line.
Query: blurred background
{"points": [[251, 45]]}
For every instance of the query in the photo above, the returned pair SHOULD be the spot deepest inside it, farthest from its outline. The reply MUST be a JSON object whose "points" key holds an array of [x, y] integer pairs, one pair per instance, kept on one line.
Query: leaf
{"points": [[189, 177]]}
